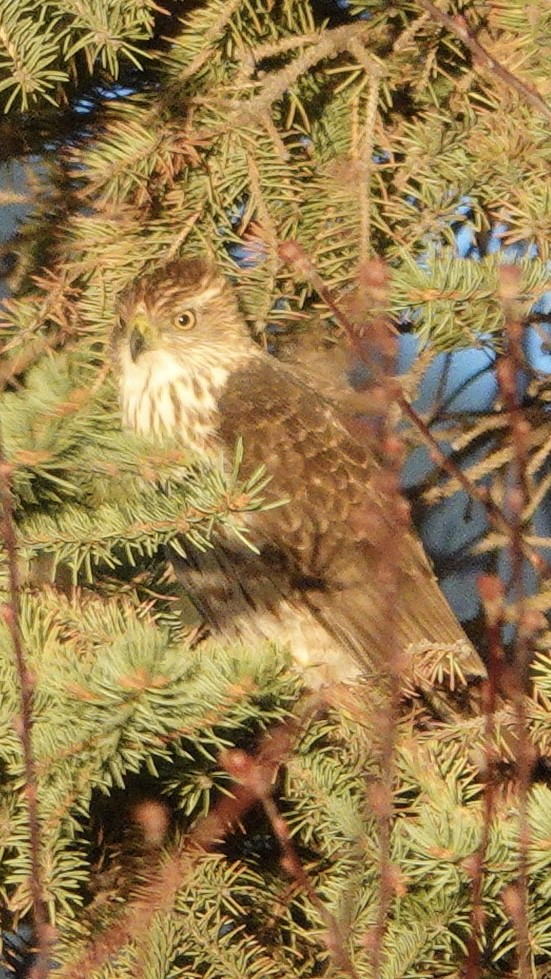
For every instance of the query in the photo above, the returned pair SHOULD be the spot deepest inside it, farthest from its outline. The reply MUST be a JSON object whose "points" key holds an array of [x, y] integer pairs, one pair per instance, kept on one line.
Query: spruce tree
{"points": [[172, 811]]}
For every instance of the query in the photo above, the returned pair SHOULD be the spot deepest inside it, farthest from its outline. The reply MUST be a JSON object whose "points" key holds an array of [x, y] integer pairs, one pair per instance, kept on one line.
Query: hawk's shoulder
{"points": [[278, 415], [309, 456]]}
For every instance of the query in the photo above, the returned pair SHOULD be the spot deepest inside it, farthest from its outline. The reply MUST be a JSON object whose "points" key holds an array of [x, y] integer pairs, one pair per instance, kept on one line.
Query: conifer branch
{"points": [[227, 10], [293, 253], [485, 60], [254, 122], [328, 44], [24, 723], [160, 891]]}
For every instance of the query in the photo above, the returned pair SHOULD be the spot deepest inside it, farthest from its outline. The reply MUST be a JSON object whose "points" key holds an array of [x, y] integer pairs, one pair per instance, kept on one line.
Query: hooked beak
{"points": [[137, 344], [139, 336]]}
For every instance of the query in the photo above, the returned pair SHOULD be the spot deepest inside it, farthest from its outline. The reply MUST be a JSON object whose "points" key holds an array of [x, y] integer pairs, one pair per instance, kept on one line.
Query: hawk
{"points": [[189, 370]]}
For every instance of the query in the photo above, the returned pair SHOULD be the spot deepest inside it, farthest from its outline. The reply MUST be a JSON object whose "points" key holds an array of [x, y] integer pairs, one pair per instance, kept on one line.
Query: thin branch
{"points": [[491, 593], [269, 238], [373, 284], [160, 892], [291, 863], [329, 44], [258, 782], [294, 254], [509, 371], [478, 493], [372, 293], [483, 59]]}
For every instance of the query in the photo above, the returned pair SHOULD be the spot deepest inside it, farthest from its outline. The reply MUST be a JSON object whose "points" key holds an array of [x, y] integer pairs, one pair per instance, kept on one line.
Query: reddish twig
{"points": [[381, 793], [294, 254], [479, 493], [491, 593], [373, 291], [509, 370], [483, 59], [257, 782], [160, 892], [24, 722], [381, 357]]}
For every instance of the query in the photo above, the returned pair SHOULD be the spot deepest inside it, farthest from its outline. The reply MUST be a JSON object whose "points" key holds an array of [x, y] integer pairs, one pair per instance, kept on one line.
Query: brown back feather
{"points": [[327, 534]]}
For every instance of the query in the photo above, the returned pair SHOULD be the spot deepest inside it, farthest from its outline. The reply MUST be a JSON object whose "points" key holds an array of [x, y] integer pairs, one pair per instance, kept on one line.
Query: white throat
{"points": [[163, 398]]}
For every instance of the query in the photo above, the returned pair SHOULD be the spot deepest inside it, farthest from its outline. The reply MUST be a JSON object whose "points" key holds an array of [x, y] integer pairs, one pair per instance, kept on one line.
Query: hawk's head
{"points": [[180, 333]]}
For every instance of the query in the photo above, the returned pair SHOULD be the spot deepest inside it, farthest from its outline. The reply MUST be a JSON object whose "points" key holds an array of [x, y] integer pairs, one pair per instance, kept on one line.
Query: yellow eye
{"points": [[185, 320]]}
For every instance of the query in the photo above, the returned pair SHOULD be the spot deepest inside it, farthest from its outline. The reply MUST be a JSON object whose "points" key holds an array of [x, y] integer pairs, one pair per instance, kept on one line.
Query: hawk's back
{"points": [[316, 582]]}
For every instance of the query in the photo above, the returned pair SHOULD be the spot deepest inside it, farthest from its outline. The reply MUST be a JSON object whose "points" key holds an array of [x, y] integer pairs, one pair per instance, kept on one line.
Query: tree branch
{"points": [[24, 722], [483, 59]]}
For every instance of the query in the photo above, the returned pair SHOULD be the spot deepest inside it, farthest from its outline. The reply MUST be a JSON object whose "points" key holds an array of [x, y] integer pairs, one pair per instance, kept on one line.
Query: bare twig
{"points": [[294, 254], [483, 59], [491, 593], [479, 493], [509, 370], [160, 892], [372, 301], [258, 781], [372, 293]]}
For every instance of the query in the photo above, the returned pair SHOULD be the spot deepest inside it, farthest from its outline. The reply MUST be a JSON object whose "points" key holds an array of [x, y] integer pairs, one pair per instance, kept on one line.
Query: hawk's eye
{"points": [[185, 320]]}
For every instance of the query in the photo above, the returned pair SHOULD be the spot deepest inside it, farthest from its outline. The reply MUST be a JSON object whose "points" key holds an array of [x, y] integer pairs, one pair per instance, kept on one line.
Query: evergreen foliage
{"points": [[229, 127]]}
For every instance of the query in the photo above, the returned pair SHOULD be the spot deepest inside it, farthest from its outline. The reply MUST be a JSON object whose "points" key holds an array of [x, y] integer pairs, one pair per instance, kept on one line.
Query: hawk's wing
{"points": [[317, 580]]}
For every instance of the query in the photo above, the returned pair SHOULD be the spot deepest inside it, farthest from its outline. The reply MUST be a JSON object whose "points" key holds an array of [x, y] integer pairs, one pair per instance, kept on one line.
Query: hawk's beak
{"points": [[139, 336]]}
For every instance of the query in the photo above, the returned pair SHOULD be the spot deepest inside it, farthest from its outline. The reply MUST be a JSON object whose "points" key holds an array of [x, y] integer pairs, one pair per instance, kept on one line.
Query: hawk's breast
{"points": [[162, 396]]}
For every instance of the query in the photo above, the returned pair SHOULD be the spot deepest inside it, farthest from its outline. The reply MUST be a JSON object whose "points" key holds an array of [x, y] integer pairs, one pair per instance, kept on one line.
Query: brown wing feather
{"points": [[324, 537]]}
